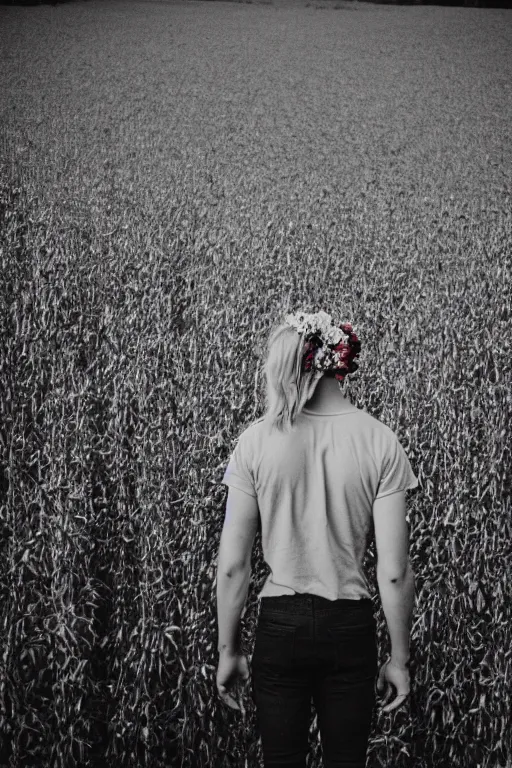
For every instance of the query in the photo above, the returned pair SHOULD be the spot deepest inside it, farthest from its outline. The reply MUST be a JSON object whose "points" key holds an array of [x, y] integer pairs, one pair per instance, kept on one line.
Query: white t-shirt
{"points": [[315, 489]]}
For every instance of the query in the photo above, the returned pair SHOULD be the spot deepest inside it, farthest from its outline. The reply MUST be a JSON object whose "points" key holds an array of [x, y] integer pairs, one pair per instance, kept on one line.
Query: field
{"points": [[173, 176]]}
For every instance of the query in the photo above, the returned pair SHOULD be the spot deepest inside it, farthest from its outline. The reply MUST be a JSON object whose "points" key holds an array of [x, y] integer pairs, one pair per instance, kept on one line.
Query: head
{"points": [[288, 385]]}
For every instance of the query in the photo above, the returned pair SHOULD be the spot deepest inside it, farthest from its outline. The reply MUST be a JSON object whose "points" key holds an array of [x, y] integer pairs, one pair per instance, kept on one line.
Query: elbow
{"points": [[230, 569], [394, 575]]}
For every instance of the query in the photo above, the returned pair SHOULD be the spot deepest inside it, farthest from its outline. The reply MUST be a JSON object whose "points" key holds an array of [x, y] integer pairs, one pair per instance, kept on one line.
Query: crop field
{"points": [[174, 176]]}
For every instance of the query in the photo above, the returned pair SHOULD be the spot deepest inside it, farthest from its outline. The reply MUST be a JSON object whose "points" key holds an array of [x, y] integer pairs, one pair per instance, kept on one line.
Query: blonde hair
{"points": [[287, 388]]}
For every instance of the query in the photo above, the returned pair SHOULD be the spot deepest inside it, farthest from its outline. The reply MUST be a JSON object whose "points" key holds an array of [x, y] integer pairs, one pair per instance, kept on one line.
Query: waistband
{"points": [[304, 601]]}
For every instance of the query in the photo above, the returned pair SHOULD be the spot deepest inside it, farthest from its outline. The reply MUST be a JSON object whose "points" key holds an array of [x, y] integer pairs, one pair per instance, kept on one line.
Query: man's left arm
{"points": [[234, 565]]}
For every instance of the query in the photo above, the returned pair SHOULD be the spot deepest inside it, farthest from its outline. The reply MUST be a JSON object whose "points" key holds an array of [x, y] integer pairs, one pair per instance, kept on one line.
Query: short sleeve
{"points": [[238, 472], [397, 474]]}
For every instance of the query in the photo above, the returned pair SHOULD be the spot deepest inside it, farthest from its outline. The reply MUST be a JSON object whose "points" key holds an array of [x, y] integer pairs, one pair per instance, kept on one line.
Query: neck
{"points": [[328, 397]]}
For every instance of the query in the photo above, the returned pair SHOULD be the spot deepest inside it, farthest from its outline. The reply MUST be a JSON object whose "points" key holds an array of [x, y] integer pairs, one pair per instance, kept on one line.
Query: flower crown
{"points": [[328, 347]]}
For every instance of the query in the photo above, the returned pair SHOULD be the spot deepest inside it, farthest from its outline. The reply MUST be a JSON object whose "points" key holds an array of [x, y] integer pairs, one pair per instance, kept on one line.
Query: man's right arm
{"points": [[395, 577]]}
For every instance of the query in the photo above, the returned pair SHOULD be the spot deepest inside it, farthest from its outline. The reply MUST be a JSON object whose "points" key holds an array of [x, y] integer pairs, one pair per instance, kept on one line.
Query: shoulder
{"points": [[254, 430], [379, 431], [249, 433], [372, 421]]}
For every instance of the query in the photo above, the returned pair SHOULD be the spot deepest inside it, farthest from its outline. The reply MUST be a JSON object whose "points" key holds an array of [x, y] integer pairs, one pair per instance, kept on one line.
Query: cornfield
{"points": [[173, 177]]}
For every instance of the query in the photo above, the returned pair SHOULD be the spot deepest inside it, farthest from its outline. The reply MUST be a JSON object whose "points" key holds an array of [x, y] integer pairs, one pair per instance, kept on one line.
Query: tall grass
{"points": [[142, 269]]}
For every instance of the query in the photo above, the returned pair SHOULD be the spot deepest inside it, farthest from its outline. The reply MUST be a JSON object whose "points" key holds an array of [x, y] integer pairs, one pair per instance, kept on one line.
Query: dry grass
{"points": [[172, 177]]}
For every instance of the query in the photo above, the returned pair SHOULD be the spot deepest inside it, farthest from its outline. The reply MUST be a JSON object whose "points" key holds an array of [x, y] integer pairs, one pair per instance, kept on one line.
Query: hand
{"points": [[232, 673], [399, 677]]}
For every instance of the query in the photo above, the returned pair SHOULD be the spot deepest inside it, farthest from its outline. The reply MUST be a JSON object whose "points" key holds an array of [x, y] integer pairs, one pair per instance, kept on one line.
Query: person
{"points": [[320, 476]]}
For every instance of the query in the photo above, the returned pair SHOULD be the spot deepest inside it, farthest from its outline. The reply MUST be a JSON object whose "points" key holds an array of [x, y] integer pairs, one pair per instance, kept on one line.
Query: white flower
{"points": [[319, 323], [333, 335]]}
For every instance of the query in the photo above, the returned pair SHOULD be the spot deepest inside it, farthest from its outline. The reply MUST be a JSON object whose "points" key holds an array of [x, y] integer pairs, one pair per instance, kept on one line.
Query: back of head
{"points": [[301, 349]]}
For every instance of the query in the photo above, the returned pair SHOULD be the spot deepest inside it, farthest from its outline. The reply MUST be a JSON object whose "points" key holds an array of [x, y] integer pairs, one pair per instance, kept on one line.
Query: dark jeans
{"points": [[307, 648]]}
